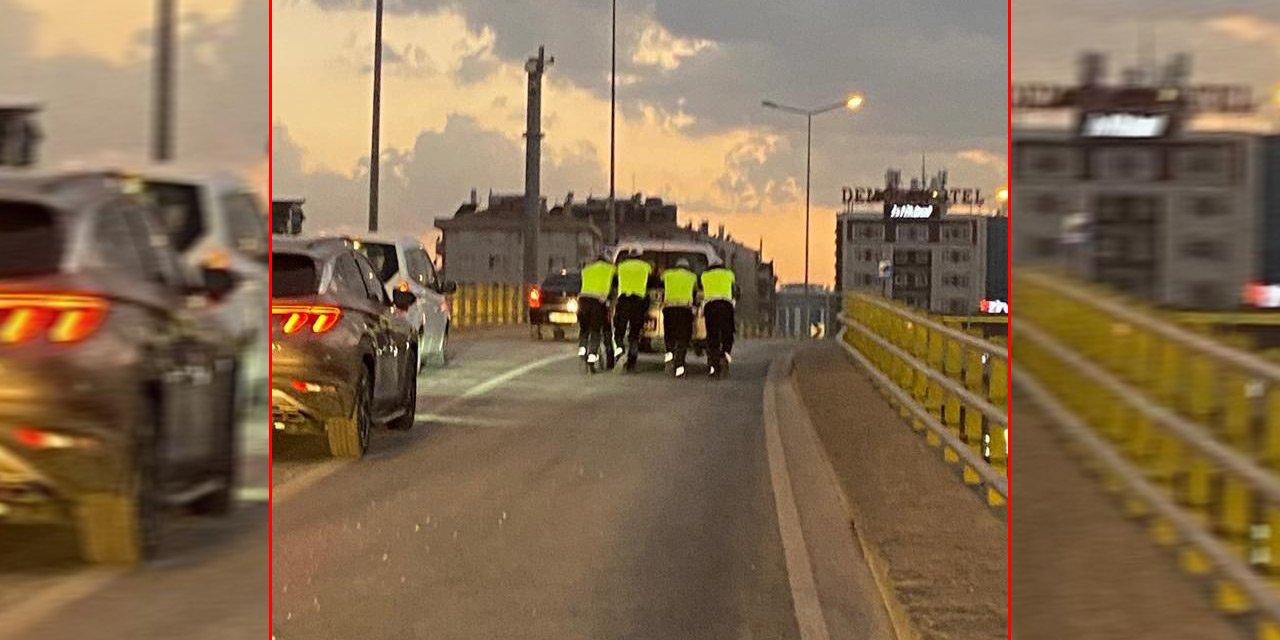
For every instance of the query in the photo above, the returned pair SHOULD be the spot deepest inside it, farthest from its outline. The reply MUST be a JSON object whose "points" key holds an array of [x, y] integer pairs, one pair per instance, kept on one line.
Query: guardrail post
{"points": [[974, 374], [953, 367]]}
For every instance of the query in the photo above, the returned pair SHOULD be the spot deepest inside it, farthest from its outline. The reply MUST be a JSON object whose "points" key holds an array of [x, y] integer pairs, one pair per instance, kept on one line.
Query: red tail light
{"points": [[59, 318], [295, 318], [535, 298]]}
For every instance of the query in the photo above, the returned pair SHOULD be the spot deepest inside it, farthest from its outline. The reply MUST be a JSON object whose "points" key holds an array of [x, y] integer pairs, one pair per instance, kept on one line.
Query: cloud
{"points": [[983, 158], [1248, 28], [659, 48]]}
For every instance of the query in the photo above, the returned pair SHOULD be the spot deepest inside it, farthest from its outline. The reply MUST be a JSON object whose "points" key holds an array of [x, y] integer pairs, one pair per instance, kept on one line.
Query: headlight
{"points": [[573, 306]]}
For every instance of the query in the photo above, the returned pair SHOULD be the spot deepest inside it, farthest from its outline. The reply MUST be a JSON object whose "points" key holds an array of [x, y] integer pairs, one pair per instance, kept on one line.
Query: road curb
{"points": [[786, 382]]}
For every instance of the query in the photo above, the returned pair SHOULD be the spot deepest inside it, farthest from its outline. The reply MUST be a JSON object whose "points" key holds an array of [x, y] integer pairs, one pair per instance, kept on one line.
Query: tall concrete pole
{"points": [[533, 166], [162, 117], [375, 148]]}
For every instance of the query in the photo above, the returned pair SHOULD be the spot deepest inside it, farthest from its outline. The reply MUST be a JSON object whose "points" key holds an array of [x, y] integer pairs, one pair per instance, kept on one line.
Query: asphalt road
{"points": [[209, 583], [534, 501]]}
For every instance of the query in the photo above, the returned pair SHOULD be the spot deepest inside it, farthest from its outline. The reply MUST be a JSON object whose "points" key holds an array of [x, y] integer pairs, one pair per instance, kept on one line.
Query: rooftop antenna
{"points": [[923, 177]]}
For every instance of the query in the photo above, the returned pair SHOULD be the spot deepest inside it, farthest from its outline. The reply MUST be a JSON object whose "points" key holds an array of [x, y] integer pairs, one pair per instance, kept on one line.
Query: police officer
{"points": [[632, 309], [719, 293], [593, 311], [680, 285]]}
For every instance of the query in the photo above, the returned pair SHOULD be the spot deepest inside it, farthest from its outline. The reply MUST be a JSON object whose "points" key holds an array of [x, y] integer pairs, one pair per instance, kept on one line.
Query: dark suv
{"points": [[117, 383], [343, 352]]}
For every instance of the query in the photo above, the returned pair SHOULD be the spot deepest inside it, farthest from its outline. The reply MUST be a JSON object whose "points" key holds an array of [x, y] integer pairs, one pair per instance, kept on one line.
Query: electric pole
{"points": [[536, 67], [375, 149], [613, 128], [162, 118]]}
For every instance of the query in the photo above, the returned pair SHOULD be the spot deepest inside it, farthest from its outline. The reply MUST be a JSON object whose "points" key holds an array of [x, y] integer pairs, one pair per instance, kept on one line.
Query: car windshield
{"points": [[383, 258], [293, 275], [31, 240], [563, 282]]}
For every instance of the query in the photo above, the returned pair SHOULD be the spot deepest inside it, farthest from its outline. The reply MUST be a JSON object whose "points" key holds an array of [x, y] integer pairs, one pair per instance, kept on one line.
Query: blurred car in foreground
{"points": [[343, 351], [404, 264], [117, 381], [554, 304]]}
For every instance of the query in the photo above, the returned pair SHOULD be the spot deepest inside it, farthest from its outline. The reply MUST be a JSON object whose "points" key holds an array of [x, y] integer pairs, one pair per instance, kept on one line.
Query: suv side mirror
{"points": [[403, 299], [218, 283]]}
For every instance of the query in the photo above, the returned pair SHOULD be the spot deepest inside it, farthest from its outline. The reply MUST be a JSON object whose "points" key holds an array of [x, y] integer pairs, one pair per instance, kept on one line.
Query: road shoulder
{"points": [[938, 552]]}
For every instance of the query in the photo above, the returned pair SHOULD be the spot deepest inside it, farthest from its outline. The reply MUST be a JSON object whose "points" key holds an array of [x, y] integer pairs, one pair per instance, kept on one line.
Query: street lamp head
{"points": [[769, 104], [1002, 194], [854, 102]]}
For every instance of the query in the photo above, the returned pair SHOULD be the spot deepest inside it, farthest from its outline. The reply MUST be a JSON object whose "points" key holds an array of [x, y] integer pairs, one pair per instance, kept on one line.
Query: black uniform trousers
{"points": [[593, 327], [628, 324], [721, 326], [677, 330]]}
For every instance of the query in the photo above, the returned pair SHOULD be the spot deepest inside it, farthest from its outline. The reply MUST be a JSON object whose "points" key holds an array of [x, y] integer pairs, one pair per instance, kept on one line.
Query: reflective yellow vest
{"points": [[633, 277], [597, 280], [717, 284], [678, 287]]}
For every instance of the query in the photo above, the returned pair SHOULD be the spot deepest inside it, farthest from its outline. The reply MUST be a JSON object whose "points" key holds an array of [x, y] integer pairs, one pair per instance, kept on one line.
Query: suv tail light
{"points": [[57, 317], [295, 318], [535, 298]]}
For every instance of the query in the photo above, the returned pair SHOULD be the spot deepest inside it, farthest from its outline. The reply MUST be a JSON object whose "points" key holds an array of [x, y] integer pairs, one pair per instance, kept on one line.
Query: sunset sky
{"points": [[691, 129], [90, 64]]}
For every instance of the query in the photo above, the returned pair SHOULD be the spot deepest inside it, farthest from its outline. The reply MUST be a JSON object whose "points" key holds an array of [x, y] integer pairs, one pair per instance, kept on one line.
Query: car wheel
{"points": [[406, 420], [123, 528], [349, 437], [225, 466]]}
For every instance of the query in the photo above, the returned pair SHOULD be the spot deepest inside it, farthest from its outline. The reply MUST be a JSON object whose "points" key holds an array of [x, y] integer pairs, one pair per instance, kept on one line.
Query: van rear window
{"points": [[293, 275]]}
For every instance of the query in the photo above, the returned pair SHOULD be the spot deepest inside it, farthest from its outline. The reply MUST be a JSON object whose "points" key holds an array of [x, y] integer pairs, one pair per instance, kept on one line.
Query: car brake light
{"points": [[33, 438], [60, 318], [535, 298], [297, 317]]}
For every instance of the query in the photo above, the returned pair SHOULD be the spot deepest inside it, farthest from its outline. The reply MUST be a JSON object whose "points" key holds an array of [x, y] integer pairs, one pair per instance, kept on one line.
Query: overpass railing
{"points": [[952, 385], [1185, 427]]}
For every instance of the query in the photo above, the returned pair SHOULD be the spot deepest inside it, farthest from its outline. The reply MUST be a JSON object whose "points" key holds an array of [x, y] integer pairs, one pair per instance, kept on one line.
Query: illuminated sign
{"points": [[1124, 125], [911, 211], [850, 195], [1263, 296], [994, 307]]}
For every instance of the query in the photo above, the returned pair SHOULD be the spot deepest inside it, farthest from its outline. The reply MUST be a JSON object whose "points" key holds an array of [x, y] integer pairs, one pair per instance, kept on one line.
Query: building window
{"points": [[1205, 206], [867, 231], [865, 279], [959, 256], [1204, 250], [956, 232], [868, 255], [956, 306], [1204, 162], [956, 280], [1048, 162]]}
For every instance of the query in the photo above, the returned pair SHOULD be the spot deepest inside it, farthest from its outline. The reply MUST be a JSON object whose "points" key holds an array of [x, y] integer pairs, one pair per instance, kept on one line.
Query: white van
{"points": [[664, 254]]}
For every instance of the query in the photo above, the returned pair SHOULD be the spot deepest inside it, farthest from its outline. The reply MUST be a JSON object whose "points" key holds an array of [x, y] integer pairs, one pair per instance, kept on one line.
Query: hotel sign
{"points": [[910, 211], [1125, 125]]}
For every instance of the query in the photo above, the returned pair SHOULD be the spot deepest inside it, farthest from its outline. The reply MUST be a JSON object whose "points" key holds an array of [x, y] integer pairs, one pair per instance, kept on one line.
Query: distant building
{"points": [[487, 245], [1140, 195], [287, 216], [915, 250], [1271, 210], [822, 306]]}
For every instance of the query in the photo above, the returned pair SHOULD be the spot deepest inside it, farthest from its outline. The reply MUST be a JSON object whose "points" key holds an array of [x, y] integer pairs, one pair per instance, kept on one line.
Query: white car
{"points": [[404, 263], [215, 220]]}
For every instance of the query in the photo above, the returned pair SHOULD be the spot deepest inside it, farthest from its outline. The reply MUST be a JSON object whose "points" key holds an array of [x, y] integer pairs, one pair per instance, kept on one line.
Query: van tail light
{"points": [[535, 298], [56, 317], [296, 318]]}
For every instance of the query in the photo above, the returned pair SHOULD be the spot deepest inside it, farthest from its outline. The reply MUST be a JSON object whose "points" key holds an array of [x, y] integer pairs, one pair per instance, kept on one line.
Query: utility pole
{"points": [[533, 166], [613, 129], [375, 148], [162, 118]]}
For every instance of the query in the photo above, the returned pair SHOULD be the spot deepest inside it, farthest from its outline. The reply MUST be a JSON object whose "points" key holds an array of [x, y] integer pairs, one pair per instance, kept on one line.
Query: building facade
{"points": [[487, 245], [1173, 220]]}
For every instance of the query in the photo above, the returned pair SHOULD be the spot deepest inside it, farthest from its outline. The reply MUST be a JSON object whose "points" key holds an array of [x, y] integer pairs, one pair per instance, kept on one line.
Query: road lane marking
{"points": [[291, 488], [804, 589], [17, 621]]}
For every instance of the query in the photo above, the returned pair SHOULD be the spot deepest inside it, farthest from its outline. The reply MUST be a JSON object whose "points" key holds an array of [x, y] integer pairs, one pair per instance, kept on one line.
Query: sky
{"points": [[90, 64], [691, 79], [1231, 41]]}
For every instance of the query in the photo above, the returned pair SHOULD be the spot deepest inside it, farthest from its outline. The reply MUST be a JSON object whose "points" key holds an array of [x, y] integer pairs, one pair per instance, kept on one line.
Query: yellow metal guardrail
{"points": [[952, 385], [1186, 427], [487, 305]]}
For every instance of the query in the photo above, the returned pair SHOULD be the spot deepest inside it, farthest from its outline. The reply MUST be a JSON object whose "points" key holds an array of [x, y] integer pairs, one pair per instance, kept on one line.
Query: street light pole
{"points": [[162, 132], [852, 103], [375, 148], [613, 128]]}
